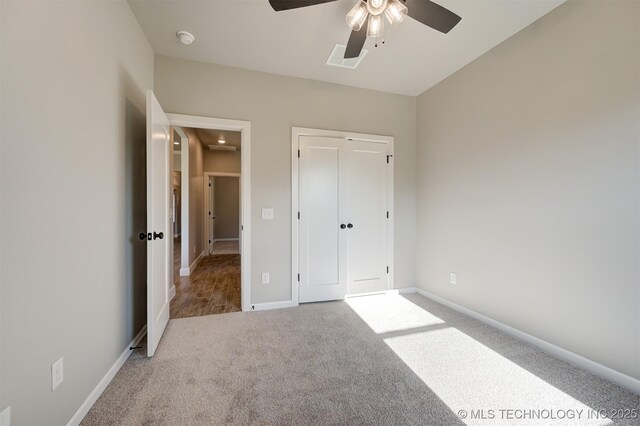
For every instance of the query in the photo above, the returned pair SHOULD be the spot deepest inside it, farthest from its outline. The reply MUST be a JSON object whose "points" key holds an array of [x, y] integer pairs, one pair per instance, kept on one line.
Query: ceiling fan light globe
{"points": [[376, 26], [395, 12], [357, 15]]}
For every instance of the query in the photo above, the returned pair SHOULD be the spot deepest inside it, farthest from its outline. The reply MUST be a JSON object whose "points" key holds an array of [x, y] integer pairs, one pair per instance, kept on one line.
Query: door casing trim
{"points": [[244, 127]]}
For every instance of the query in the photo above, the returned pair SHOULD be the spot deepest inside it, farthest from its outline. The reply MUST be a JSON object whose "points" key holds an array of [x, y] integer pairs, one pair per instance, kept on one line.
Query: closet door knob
{"points": [[157, 235], [349, 226], [342, 226]]}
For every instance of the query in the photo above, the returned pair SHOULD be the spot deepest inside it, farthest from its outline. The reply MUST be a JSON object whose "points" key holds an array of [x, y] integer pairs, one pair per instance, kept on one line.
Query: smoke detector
{"points": [[185, 37]]}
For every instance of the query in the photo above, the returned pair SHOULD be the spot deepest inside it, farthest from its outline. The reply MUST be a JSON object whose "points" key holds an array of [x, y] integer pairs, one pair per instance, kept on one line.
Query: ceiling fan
{"points": [[366, 17]]}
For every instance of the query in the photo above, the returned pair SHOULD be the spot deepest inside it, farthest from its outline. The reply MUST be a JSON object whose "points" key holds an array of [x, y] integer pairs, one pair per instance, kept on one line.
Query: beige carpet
{"points": [[368, 361]]}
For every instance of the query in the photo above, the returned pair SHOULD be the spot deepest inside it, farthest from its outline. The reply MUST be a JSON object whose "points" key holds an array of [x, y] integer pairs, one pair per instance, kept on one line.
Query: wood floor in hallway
{"points": [[213, 288]]}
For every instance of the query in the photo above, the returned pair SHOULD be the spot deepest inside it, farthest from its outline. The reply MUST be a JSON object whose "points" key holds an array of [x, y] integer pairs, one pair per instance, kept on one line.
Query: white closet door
{"points": [[366, 181], [322, 249]]}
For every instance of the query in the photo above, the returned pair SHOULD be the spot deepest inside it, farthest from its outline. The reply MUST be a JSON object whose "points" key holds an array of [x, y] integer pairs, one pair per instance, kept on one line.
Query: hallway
{"points": [[213, 288]]}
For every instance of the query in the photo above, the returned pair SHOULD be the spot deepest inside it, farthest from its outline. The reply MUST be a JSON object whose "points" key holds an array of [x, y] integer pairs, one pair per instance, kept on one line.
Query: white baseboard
{"points": [[185, 272], [273, 305], [226, 239], [5, 417], [104, 382], [605, 372], [172, 292]]}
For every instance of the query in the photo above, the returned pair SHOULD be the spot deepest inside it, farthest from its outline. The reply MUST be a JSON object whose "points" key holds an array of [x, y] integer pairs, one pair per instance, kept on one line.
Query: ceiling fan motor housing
{"points": [[376, 7]]}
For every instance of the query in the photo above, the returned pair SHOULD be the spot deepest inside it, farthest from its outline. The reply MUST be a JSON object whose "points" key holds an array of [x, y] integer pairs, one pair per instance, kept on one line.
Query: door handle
{"points": [[349, 226], [342, 226], [157, 235]]}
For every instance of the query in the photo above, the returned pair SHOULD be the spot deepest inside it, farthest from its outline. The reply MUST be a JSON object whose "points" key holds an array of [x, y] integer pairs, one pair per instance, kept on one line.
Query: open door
{"points": [[158, 222], [212, 212]]}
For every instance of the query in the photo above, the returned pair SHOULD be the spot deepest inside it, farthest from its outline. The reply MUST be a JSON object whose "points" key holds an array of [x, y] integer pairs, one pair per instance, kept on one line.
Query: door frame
{"points": [[296, 132], [207, 231], [244, 127]]}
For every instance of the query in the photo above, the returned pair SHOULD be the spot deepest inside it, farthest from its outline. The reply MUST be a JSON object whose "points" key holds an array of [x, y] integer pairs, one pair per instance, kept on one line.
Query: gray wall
{"points": [[274, 104], [528, 182], [73, 200], [227, 193], [196, 195]]}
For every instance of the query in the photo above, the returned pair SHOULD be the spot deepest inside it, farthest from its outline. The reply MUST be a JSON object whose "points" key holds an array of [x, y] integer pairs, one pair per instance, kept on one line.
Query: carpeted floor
{"points": [[374, 360]]}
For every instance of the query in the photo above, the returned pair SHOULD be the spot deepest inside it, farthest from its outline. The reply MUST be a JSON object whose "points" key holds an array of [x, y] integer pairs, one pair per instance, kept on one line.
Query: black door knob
{"points": [[142, 236], [342, 226], [349, 226], [157, 235]]}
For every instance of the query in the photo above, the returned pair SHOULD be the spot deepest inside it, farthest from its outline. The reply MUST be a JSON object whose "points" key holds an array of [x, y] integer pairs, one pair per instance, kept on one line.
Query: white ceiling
{"points": [[250, 34]]}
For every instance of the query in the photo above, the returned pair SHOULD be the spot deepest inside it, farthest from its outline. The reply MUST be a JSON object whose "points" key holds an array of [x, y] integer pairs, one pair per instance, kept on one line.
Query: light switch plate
{"points": [[265, 278], [453, 278], [267, 214], [57, 373]]}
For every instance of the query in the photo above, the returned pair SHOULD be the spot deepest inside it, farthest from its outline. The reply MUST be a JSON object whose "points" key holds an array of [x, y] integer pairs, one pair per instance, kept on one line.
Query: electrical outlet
{"points": [[5, 417], [57, 373], [453, 278], [265, 278]]}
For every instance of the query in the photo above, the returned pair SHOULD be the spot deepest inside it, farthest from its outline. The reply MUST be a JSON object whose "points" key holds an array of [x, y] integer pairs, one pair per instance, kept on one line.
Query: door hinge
{"points": [[298, 215], [387, 269], [298, 277], [209, 241], [210, 182], [387, 215], [298, 153], [242, 227], [209, 213], [388, 158]]}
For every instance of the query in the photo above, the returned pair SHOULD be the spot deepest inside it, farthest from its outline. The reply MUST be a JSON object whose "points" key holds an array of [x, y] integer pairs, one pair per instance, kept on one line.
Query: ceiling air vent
{"points": [[337, 59], [222, 148]]}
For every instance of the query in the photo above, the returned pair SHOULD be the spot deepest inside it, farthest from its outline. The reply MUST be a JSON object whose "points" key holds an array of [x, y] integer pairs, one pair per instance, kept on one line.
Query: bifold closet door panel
{"points": [[366, 180], [322, 243]]}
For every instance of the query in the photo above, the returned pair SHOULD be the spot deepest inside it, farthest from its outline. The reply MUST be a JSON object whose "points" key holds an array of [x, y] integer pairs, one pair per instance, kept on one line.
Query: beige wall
{"points": [[528, 184], [274, 104], [221, 161], [73, 199], [227, 193], [196, 195]]}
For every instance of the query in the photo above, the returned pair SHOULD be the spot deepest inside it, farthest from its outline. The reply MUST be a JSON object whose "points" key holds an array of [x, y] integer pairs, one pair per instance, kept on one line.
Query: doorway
{"points": [[222, 213], [214, 232]]}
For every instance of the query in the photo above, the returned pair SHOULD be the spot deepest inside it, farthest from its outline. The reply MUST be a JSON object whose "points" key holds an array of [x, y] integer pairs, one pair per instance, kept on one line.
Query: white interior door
{"points": [[322, 243], [366, 215], [158, 222], [212, 212]]}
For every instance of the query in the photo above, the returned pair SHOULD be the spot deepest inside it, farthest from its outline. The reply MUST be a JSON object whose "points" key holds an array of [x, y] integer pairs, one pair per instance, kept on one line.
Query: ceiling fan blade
{"points": [[432, 15], [356, 42], [279, 5]]}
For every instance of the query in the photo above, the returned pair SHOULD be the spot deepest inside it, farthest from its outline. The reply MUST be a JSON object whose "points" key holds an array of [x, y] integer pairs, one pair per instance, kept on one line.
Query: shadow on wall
{"points": [[135, 252]]}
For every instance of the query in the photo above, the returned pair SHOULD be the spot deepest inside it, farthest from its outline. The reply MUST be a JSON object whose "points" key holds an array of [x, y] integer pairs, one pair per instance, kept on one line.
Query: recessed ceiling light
{"points": [[185, 37]]}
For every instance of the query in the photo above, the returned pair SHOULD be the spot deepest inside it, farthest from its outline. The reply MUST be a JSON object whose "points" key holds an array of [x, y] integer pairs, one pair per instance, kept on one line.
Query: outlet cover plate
{"points": [[57, 373]]}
